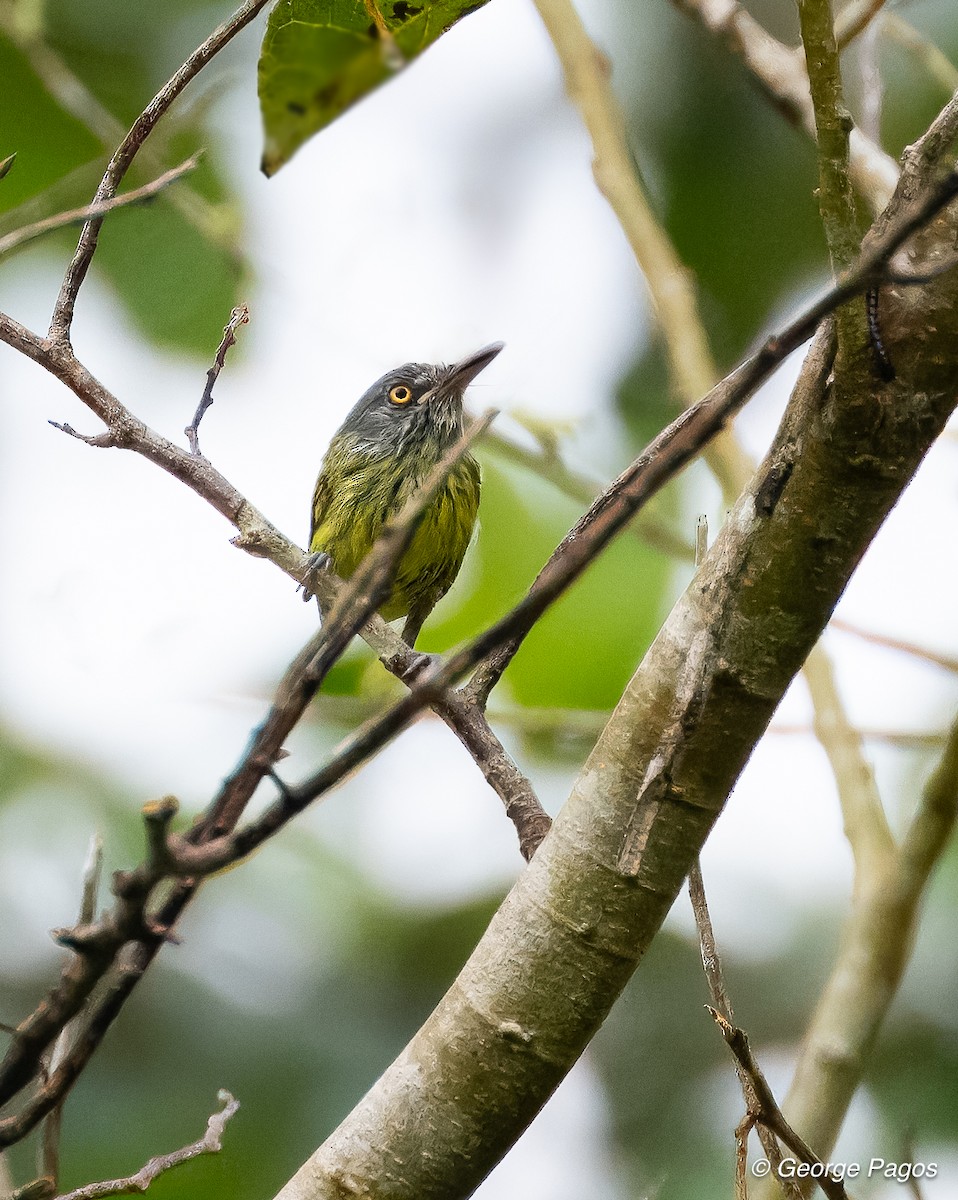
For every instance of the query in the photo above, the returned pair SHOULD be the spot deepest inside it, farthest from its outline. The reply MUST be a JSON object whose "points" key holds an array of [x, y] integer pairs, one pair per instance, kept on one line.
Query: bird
{"points": [[384, 449]]}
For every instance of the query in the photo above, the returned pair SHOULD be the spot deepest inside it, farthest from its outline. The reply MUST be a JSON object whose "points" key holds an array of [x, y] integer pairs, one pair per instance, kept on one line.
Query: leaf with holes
{"points": [[321, 56]]}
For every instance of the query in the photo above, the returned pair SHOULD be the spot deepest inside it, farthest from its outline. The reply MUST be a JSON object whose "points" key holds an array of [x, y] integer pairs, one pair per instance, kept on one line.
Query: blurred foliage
{"points": [[71, 90], [320, 56]]}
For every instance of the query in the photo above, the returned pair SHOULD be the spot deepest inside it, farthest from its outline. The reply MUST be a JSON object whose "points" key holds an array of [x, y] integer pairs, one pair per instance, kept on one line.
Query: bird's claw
{"points": [[314, 564], [419, 661]]}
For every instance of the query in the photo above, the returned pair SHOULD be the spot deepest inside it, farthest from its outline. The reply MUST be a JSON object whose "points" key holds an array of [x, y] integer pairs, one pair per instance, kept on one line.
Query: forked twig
{"points": [[239, 316], [210, 1143], [28, 233]]}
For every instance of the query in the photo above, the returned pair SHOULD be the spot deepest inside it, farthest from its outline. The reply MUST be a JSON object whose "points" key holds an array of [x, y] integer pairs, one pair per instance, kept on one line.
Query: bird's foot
{"points": [[419, 662], [314, 564]]}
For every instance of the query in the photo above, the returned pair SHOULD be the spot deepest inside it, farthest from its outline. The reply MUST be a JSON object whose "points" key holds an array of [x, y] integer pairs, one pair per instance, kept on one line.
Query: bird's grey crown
{"points": [[377, 423]]}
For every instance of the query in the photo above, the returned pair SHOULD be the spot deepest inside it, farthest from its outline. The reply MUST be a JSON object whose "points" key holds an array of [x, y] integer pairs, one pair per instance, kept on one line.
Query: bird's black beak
{"points": [[461, 374]]}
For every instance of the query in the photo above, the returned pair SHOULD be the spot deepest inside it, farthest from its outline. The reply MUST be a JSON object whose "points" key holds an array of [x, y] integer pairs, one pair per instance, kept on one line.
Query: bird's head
{"points": [[417, 404]]}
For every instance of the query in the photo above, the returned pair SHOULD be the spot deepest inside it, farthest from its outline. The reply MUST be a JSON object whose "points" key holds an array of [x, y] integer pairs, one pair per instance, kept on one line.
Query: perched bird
{"points": [[383, 451]]}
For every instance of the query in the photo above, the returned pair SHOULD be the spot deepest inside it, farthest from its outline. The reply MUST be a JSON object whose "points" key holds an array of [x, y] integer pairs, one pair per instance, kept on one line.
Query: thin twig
{"points": [[768, 1112], [938, 65], [50, 1140], [28, 233], [549, 465], [712, 963], [62, 319], [836, 200], [210, 1143], [522, 805], [946, 661], [866, 825], [905, 739], [239, 316], [670, 283], [781, 74], [854, 19], [874, 952], [103, 441]]}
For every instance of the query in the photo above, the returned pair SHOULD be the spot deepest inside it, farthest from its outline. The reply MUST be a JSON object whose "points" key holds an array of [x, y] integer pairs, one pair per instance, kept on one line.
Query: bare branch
{"points": [[103, 441], [239, 316], [854, 19], [935, 657], [866, 826], [28, 233], [832, 126], [210, 1143], [781, 74], [872, 958], [467, 721], [722, 1003], [50, 1141], [769, 1114], [935, 62], [671, 287], [142, 127]]}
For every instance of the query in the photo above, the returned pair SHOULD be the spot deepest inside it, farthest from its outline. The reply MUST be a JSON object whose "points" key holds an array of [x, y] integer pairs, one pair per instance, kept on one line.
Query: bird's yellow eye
{"points": [[400, 394]]}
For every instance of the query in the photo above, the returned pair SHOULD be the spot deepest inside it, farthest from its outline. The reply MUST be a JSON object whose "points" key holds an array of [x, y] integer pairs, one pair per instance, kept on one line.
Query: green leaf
{"points": [[105, 60], [321, 56]]}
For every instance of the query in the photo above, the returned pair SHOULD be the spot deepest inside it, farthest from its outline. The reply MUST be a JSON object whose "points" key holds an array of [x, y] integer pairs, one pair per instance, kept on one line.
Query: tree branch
{"points": [[833, 124], [123, 156], [670, 283], [781, 75], [239, 316], [578, 920], [28, 233], [50, 1141], [210, 1143], [764, 1109], [872, 957], [866, 826]]}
